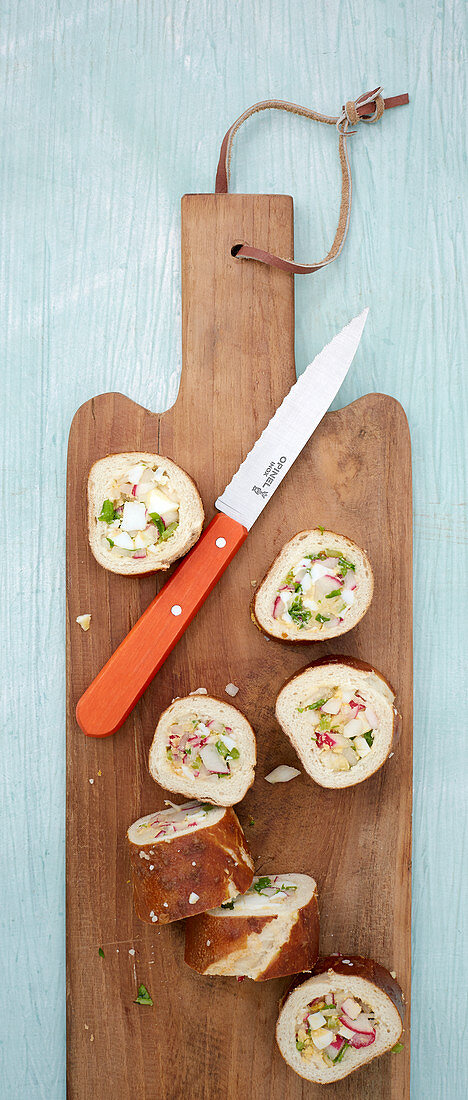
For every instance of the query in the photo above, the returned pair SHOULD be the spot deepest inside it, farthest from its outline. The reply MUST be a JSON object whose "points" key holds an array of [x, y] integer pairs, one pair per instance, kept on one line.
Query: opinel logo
{"points": [[269, 474]]}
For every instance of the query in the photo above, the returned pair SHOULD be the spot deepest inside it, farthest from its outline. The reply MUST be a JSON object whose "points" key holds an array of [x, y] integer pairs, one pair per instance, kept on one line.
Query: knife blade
{"points": [[116, 689]]}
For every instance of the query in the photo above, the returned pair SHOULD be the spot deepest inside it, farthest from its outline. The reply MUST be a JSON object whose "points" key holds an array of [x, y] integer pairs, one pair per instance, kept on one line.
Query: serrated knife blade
{"points": [[290, 427]]}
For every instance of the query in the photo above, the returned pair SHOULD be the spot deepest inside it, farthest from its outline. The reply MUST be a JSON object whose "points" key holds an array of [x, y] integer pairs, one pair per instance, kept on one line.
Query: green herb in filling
{"points": [[313, 706], [168, 532], [340, 1055], [262, 884], [369, 738], [107, 513], [299, 1044], [322, 618], [109, 541], [331, 595], [299, 614], [169, 754], [157, 522], [227, 905]]}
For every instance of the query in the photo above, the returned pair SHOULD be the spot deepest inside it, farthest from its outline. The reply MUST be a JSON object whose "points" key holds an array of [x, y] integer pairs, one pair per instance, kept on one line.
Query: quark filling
{"points": [[332, 1024], [343, 727], [200, 748], [140, 512], [317, 592], [277, 887]]}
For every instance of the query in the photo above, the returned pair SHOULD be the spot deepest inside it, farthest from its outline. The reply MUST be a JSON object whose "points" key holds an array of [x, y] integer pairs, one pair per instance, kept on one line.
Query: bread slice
{"points": [[197, 735], [159, 545], [319, 586], [270, 931], [186, 859], [361, 986], [333, 752]]}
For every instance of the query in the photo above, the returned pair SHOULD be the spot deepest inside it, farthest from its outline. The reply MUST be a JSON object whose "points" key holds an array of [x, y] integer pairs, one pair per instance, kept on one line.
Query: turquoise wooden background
{"points": [[111, 110]]}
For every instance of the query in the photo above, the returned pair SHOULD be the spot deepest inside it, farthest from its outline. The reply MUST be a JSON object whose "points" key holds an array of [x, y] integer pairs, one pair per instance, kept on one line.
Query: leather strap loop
{"points": [[367, 108]]}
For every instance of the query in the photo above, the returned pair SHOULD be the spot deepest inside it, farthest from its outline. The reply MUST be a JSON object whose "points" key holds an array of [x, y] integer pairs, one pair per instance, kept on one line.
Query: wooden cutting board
{"points": [[214, 1037]]}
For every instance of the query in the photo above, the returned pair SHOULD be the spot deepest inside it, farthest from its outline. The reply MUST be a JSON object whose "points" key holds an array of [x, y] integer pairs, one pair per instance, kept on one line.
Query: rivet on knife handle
{"points": [[119, 685]]}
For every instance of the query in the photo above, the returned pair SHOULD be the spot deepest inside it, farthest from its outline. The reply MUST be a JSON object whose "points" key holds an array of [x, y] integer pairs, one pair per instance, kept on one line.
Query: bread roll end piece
{"points": [[314, 541], [191, 513], [187, 859], [360, 978], [198, 783], [259, 937], [319, 680]]}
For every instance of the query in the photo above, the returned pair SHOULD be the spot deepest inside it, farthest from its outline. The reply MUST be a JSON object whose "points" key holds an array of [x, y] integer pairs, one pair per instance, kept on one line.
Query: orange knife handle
{"points": [[119, 685]]}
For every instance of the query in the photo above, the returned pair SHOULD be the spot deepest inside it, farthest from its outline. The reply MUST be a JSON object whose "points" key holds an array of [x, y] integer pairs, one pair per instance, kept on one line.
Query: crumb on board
{"points": [[393, 974], [231, 690], [199, 691], [84, 621], [131, 950], [91, 781], [254, 584], [193, 898]]}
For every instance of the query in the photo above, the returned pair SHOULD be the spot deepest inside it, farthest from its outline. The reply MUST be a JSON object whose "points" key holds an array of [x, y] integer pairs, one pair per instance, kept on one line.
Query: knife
{"points": [[119, 685]]}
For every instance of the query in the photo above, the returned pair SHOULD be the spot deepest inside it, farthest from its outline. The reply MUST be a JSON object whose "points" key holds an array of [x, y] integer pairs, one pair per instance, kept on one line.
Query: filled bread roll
{"points": [[319, 586], [204, 748], [270, 931], [144, 512], [187, 859], [339, 715], [348, 1013]]}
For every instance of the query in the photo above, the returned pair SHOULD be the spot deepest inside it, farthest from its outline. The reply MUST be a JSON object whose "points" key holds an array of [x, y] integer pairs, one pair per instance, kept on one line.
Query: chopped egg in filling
{"points": [[343, 727], [329, 1025], [317, 592], [200, 747], [140, 512]]}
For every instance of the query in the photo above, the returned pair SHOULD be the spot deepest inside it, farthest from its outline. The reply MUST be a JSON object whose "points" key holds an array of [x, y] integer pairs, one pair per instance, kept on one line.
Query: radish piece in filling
{"points": [[324, 1032], [343, 727]]}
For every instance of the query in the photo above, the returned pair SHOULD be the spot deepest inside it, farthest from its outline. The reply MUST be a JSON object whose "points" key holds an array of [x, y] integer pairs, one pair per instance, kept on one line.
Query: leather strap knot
{"points": [[367, 108], [357, 110]]}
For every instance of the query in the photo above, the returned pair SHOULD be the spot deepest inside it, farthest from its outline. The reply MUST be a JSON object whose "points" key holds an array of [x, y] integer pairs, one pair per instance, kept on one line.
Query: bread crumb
{"points": [[199, 691], [194, 863], [393, 974], [86, 1027], [151, 866], [208, 943], [84, 621], [91, 781], [254, 584], [231, 690], [166, 904], [91, 1038], [193, 898], [131, 950]]}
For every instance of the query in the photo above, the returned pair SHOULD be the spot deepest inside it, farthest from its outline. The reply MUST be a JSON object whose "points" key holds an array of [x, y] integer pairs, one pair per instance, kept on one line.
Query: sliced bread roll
{"points": [[144, 512], [187, 859], [204, 748], [270, 931], [339, 714], [319, 586], [348, 1013]]}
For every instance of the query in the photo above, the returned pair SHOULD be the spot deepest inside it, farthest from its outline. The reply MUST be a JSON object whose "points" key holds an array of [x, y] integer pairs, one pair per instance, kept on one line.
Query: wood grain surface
{"points": [[215, 1037]]}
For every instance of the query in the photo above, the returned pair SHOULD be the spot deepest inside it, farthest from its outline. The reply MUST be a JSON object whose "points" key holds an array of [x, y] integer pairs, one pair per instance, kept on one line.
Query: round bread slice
{"points": [[204, 748], [186, 859], [269, 932], [177, 519], [339, 714], [319, 586], [348, 1013]]}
